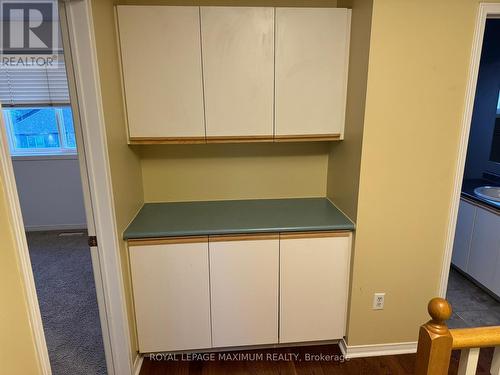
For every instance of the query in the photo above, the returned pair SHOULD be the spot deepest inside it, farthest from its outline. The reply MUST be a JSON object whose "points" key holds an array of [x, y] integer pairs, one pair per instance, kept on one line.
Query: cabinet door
{"points": [[312, 46], [171, 296], [485, 247], [238, 60], [313, 287], [161, 62], [463, 235], [244, 290]]}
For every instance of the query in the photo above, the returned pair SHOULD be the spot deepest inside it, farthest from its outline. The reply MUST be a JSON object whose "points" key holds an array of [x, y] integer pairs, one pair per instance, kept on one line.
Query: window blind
{"points": [[34, 86]]}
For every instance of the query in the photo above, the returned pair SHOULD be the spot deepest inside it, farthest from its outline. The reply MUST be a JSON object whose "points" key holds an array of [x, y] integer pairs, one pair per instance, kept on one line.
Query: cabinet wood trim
{"points": [[479, 205], [319, 234], [233, 139], [239, 139], [244, 237], [307, 137], [166, 240], [165, 140]]}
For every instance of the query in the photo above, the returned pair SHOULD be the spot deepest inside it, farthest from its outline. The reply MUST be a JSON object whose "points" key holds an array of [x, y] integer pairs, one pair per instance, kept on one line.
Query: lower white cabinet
{"points": [[313, 286], [476, 249], [463, 235], [244, 290], [239, 290], [171, 295], [485, 248]]}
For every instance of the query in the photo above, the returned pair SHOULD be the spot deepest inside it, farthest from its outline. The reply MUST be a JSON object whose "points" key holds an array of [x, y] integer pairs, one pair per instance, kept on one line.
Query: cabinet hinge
{"points": [[92, 241]]}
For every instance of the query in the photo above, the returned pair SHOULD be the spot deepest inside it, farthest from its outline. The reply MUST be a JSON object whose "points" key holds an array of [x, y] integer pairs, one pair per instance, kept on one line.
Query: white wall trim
{"points": [[86, 72], [360, 351], [139, 359], [16, 218], [486, 10]]}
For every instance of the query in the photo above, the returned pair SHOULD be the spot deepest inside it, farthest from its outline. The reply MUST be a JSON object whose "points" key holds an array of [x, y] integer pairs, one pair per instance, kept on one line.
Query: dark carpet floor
{"points": [[65, 285]]}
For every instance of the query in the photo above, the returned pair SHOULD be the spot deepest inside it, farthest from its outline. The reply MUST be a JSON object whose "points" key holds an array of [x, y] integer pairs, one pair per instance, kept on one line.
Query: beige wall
{"points": [[236, 171], [345, 157], [419, 60], [124, 163], [17, 347]]}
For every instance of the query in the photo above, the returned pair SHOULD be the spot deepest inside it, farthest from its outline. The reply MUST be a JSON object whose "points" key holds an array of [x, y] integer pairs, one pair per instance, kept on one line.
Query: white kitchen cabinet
{"points": [[238, 63], [314, 269], [312, 51], [485, 249], [162, 72], [463, 235], [170, 282], [244, 290]]}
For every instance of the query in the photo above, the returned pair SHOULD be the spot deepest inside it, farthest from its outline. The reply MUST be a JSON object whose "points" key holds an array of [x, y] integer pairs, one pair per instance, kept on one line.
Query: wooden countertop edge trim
{"points": [[482, 205], [480, 337], [236, 237], [318, 234], [243, 237], [166, 240]]}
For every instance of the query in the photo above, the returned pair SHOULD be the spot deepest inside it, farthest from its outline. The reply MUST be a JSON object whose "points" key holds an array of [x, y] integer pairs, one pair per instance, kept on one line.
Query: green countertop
{"points": [[236, 216]]}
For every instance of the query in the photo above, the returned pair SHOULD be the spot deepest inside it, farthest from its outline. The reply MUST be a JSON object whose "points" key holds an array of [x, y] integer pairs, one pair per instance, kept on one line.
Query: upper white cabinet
{"points": [[171, 295], [312, 52], [463, 235], [313, 286], [162, 73], [238, 63], [244, 290], [233, 74]]}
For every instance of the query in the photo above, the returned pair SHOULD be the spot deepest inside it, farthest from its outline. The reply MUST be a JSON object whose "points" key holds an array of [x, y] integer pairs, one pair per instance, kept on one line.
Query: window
{"points": [[36, 110], [40, 130]]}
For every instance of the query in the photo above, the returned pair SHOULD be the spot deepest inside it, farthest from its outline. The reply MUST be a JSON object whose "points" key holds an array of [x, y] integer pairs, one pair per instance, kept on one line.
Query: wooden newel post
{"points": [[435, 341]]}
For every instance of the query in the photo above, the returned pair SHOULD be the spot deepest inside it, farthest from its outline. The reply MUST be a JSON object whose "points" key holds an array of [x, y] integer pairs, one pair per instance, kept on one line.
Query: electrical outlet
{"points": [[378, 301]]}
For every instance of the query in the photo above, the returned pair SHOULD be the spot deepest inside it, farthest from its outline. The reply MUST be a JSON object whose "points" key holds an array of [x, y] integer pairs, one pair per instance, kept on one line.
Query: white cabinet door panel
{"points": [[238, 63], [244, 291], [485, 248], [312, 48], [313, 288], [162, 73], [463, 235], [171, 294]]}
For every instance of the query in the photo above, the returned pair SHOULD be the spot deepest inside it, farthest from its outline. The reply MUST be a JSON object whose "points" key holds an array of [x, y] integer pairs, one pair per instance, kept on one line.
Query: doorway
{"points": [[41, 128], [471, 277]]}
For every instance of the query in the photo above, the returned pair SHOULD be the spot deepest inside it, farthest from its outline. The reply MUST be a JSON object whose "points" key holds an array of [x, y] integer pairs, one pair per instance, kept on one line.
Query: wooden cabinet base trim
{"points": [[319, 234], [240, 139], [243, 237], [233, 139], [166, 240], [307, 137], [165, 140]]}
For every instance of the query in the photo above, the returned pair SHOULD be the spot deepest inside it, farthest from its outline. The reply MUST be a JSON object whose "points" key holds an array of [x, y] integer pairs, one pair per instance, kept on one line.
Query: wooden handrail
{"points": [[480, 337], [436, 341]]}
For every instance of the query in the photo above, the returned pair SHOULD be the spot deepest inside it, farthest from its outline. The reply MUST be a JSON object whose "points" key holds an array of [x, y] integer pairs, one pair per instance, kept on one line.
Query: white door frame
{"points": [[96, 179], [486, 10]]}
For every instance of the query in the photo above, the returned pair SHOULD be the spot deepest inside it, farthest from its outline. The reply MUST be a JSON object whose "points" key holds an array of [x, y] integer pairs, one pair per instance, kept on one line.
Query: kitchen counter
{"points": [[156, 220], [468, 187]]}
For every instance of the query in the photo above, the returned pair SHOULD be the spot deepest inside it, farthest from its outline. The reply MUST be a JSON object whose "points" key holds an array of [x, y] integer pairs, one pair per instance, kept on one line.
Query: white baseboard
{"points": [[41, 228], [137, 364], [359, 351]]}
